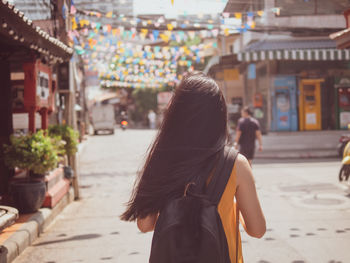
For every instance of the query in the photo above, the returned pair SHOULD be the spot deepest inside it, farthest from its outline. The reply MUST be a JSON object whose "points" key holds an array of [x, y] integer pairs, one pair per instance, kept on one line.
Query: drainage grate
{"points": [[323, 201], [317, 200]]}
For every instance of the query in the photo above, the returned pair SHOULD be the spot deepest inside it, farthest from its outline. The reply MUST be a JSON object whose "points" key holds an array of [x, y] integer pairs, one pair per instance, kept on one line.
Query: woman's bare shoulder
{"points": [[243, 169]]}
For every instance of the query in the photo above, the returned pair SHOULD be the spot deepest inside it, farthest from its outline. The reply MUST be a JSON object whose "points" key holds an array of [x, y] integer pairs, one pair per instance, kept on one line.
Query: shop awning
{"points": [[212, 61], [342, 38], [217, 63], [18, 31], [292, 49]]}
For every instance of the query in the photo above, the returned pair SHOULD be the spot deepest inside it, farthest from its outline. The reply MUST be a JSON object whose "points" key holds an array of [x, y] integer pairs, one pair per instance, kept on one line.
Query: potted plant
{"points": [[70, 143], [68, 135], [36, 154]]}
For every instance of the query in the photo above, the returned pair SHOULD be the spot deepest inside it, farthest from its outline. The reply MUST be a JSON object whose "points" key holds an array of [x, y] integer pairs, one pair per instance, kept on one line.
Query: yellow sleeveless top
{"points": [[227, 212]]}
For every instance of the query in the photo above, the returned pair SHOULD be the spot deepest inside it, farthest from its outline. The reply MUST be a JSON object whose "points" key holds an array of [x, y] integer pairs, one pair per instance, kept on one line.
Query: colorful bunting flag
{"points": [[109, 14], [238, 15]]}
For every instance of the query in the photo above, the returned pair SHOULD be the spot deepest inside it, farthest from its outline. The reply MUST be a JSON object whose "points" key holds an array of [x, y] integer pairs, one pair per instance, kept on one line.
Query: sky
{"points": [[179, 7]]}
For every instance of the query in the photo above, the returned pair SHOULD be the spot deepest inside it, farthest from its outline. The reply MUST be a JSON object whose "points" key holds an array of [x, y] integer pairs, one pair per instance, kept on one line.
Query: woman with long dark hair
{"points": [[192, 134]]}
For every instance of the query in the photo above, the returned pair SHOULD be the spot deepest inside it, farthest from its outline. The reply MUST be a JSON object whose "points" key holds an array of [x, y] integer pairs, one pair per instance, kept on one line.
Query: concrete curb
{"points": [[296, 155], [10, 216], [30, 230]]}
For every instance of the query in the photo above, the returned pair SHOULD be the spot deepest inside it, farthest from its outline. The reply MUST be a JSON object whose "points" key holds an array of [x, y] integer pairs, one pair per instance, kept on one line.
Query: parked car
{"points": [[103, 118]]}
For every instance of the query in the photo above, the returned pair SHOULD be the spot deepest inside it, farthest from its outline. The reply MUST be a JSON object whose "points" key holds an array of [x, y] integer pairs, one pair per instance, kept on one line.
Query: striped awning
{"points": [[295, 54]]}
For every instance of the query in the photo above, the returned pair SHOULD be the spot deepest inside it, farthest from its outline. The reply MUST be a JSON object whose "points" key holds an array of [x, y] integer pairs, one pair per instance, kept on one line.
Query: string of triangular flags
{"points": [[120, 62], [243, 20], [135, 64]]}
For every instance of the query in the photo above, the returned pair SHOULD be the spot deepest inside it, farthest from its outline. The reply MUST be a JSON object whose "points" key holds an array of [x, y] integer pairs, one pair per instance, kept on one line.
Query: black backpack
{"points": [[180, 237]]}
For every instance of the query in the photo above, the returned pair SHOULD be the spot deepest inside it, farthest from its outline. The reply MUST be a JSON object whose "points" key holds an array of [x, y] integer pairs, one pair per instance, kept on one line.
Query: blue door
{"points": [[284, 115]]}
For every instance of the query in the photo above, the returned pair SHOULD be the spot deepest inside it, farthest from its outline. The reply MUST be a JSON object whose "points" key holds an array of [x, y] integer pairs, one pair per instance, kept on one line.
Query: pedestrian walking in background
{"points": [[182, 165], [152, 119], [248, 130]]}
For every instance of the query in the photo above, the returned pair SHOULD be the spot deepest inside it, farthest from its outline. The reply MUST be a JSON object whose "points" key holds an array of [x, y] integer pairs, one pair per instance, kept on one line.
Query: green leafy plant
{"points": [[59, 144], [34, 152], [145, 100], [68, 135]]}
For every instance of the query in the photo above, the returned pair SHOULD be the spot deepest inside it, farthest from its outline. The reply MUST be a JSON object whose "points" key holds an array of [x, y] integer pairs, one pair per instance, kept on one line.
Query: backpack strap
{"points": [[237, 231], [222, 174]]}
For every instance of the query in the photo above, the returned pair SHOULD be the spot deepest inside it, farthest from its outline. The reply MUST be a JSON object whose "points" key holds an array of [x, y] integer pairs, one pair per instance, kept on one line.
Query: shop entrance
{"points": [[343, 103], [310, 104]]}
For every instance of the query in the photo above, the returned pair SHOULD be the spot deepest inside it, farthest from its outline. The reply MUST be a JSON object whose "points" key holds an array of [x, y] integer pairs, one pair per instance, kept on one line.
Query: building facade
{"points": [[292, 73], [29, 58], [118, 7]]}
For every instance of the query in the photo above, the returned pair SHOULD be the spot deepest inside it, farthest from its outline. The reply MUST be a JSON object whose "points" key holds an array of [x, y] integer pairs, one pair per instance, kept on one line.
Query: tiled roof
{"points": [[21, 29], [342, 38]]}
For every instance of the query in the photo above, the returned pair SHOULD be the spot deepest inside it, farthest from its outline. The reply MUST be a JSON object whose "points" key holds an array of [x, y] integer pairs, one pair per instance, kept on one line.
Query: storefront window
{"points": [[282, 101], [344, 97], [309, 91], [310, 98], [311, 7]]}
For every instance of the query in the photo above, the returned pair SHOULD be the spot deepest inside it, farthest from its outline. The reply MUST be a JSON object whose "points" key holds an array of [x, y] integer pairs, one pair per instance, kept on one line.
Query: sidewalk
{"points": [[28, 227], [14, 239], [299, 145]]}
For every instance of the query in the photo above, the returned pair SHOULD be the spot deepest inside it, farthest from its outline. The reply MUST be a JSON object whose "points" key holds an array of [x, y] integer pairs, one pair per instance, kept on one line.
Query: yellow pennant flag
{"points": [[238, 15], [252, 25], [260, 12], [84, 22], [74, 23], [164, 37], [109, 14], [226, 32], [170, 27], [172, 2]]}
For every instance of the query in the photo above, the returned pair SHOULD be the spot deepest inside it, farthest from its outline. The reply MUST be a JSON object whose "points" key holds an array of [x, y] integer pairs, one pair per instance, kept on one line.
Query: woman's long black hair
{"points": [[193, 132]]}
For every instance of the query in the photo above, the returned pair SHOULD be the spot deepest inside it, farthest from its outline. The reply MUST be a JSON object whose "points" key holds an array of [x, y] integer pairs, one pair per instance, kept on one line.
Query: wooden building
{"points": [[29, 60]]}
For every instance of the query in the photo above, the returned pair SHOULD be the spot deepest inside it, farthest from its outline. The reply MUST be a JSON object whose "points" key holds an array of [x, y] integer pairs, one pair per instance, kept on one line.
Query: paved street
{"points": [[307, 210]]}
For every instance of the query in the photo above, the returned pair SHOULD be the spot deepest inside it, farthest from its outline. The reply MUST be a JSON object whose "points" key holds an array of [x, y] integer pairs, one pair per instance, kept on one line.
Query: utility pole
{"points": [[73, 120], [223, 52], [64, 21]]}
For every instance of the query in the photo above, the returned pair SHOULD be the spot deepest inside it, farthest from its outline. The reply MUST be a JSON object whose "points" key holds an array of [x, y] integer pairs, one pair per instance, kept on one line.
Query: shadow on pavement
{"points": [[109, 174], [74, 238]]}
